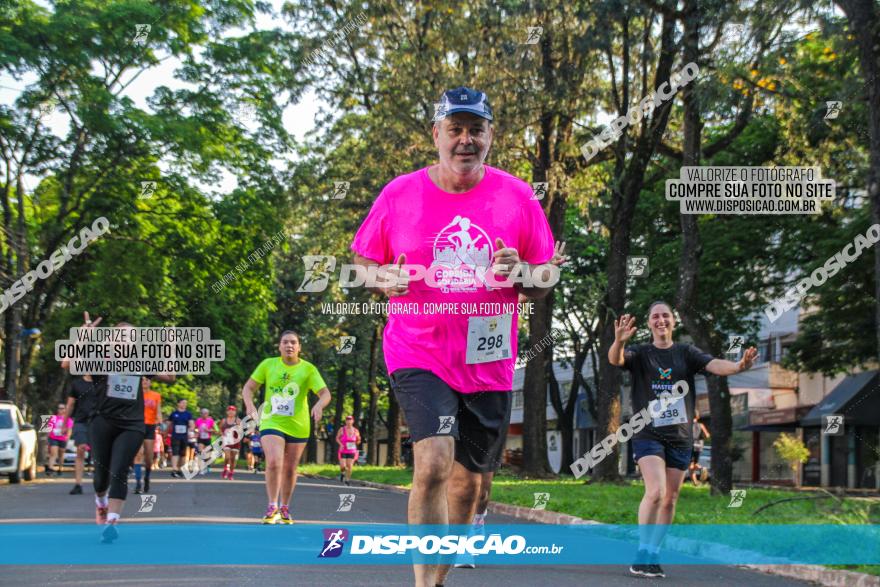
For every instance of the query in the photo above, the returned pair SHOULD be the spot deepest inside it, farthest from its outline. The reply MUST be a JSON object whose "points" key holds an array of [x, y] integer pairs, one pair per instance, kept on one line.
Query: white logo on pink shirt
{"points": [[463, 251]]}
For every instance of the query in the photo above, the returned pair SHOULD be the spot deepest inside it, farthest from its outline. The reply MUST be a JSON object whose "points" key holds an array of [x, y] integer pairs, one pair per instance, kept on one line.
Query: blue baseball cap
{"points": [[463, 99]]}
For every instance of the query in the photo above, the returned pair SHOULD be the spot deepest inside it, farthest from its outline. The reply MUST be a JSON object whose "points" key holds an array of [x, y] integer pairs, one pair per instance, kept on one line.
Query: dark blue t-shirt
{"points": [[179, 419], [654, 373]]}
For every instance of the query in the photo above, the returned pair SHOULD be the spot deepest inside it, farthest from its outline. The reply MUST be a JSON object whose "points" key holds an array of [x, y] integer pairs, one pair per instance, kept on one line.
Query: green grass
{"points": [[389, 475], [619, 503]]}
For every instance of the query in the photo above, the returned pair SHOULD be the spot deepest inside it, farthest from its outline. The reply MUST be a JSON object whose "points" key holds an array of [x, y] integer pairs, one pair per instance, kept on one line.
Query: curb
{"points": [[542, 516], [356, 482], [812, 573], [819, 574]]}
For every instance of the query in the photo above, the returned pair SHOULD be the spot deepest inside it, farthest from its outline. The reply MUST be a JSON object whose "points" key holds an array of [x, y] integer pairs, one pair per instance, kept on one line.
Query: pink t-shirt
{"points": [[204, 426], [56, 425], [455, 234]]}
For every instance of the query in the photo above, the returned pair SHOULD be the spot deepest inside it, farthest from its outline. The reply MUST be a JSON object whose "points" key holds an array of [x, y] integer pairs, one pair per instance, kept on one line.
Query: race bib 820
{"points": [[123, 386]]}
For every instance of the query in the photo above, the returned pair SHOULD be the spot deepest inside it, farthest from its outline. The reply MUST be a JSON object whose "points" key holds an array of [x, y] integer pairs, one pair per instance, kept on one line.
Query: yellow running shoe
{"points": [[272, 515], [285, 516]]}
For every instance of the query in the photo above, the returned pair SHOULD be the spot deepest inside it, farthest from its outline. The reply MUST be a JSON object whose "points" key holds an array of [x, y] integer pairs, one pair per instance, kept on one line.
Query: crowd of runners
{"points": [[451, 374], [116, 418], [164, 446]]}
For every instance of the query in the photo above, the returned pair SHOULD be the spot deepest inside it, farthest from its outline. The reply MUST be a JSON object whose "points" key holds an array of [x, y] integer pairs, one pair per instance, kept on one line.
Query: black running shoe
{"points": [[77, 490], [655, 568], [640, 570], [640, 567], [146, 484]]}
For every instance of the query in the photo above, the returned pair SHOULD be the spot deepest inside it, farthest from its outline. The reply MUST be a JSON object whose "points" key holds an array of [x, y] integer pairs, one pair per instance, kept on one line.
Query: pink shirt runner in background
{"points": [[456, 232], [205, 426], [56, 425], [348, 444]]}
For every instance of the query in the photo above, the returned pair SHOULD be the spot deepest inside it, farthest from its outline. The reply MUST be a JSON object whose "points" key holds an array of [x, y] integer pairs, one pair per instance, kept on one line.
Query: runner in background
{"points": [[168, 455], [138, 467], [255, 455], [159, 448], [697, 473], [284, 424], [181, 424], [230, 429], [347, 439], [152, 408], [116, 433], [80, 405], [59, 427], [663, 447], [205, 426], [189, 453]]}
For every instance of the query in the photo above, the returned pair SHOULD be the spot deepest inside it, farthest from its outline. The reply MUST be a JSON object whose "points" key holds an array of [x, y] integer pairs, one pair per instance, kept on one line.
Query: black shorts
{"points": [[288, 439], [59, 443], [80, 433], [478, 421], [178, 446], [676, 457], [346, 455], [149, 432], [695, 456]]}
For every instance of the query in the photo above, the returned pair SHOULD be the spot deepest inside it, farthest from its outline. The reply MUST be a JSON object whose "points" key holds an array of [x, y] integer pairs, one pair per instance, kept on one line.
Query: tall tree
{"points": [[627, 180], [864, 20]]}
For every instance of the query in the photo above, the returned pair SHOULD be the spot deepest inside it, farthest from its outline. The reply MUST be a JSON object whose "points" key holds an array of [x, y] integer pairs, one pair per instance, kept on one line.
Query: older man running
{"points": [[475, 228]]}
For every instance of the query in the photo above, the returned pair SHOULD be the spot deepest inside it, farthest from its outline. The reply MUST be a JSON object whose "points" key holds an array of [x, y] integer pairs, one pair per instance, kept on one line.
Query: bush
{"points": [[792, 450]]}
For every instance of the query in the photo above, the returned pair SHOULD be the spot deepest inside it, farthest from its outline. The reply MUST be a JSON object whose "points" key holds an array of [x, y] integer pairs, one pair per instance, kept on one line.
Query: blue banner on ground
{"points": [[524, 544]]}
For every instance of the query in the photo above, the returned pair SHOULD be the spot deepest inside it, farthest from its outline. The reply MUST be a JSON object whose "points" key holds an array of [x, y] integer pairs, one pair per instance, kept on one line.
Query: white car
{"points": [[70, 453], [18, 445]]}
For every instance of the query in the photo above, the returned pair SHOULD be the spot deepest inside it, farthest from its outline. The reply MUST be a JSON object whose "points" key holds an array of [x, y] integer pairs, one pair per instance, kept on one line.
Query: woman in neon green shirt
{"points": [[284, 421]]}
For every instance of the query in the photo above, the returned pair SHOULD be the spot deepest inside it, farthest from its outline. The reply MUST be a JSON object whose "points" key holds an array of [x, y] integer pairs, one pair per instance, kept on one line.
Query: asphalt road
{"points": [[211, 500]]}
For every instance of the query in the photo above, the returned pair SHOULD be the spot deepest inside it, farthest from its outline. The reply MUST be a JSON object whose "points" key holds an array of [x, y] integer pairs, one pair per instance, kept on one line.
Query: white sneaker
{"points": [[465, 561]]}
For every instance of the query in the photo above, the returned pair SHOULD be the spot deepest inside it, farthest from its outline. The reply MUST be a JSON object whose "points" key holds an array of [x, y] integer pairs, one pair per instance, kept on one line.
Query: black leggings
{"points": [[113, 450]]}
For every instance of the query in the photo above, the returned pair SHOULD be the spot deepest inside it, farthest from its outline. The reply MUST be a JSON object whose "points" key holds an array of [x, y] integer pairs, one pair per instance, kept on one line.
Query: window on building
{"points": [[517, 400]]}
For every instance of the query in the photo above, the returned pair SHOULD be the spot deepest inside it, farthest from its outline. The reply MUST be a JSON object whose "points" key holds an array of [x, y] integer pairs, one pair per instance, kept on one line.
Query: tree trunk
{"points": [[12, 327], [373, 441], [629, 176], [535, 384], [393, 459], [864, 20], [689, 264], [372, 428], [565, 421], [357, 404], [312, 444], [340, 404]]}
